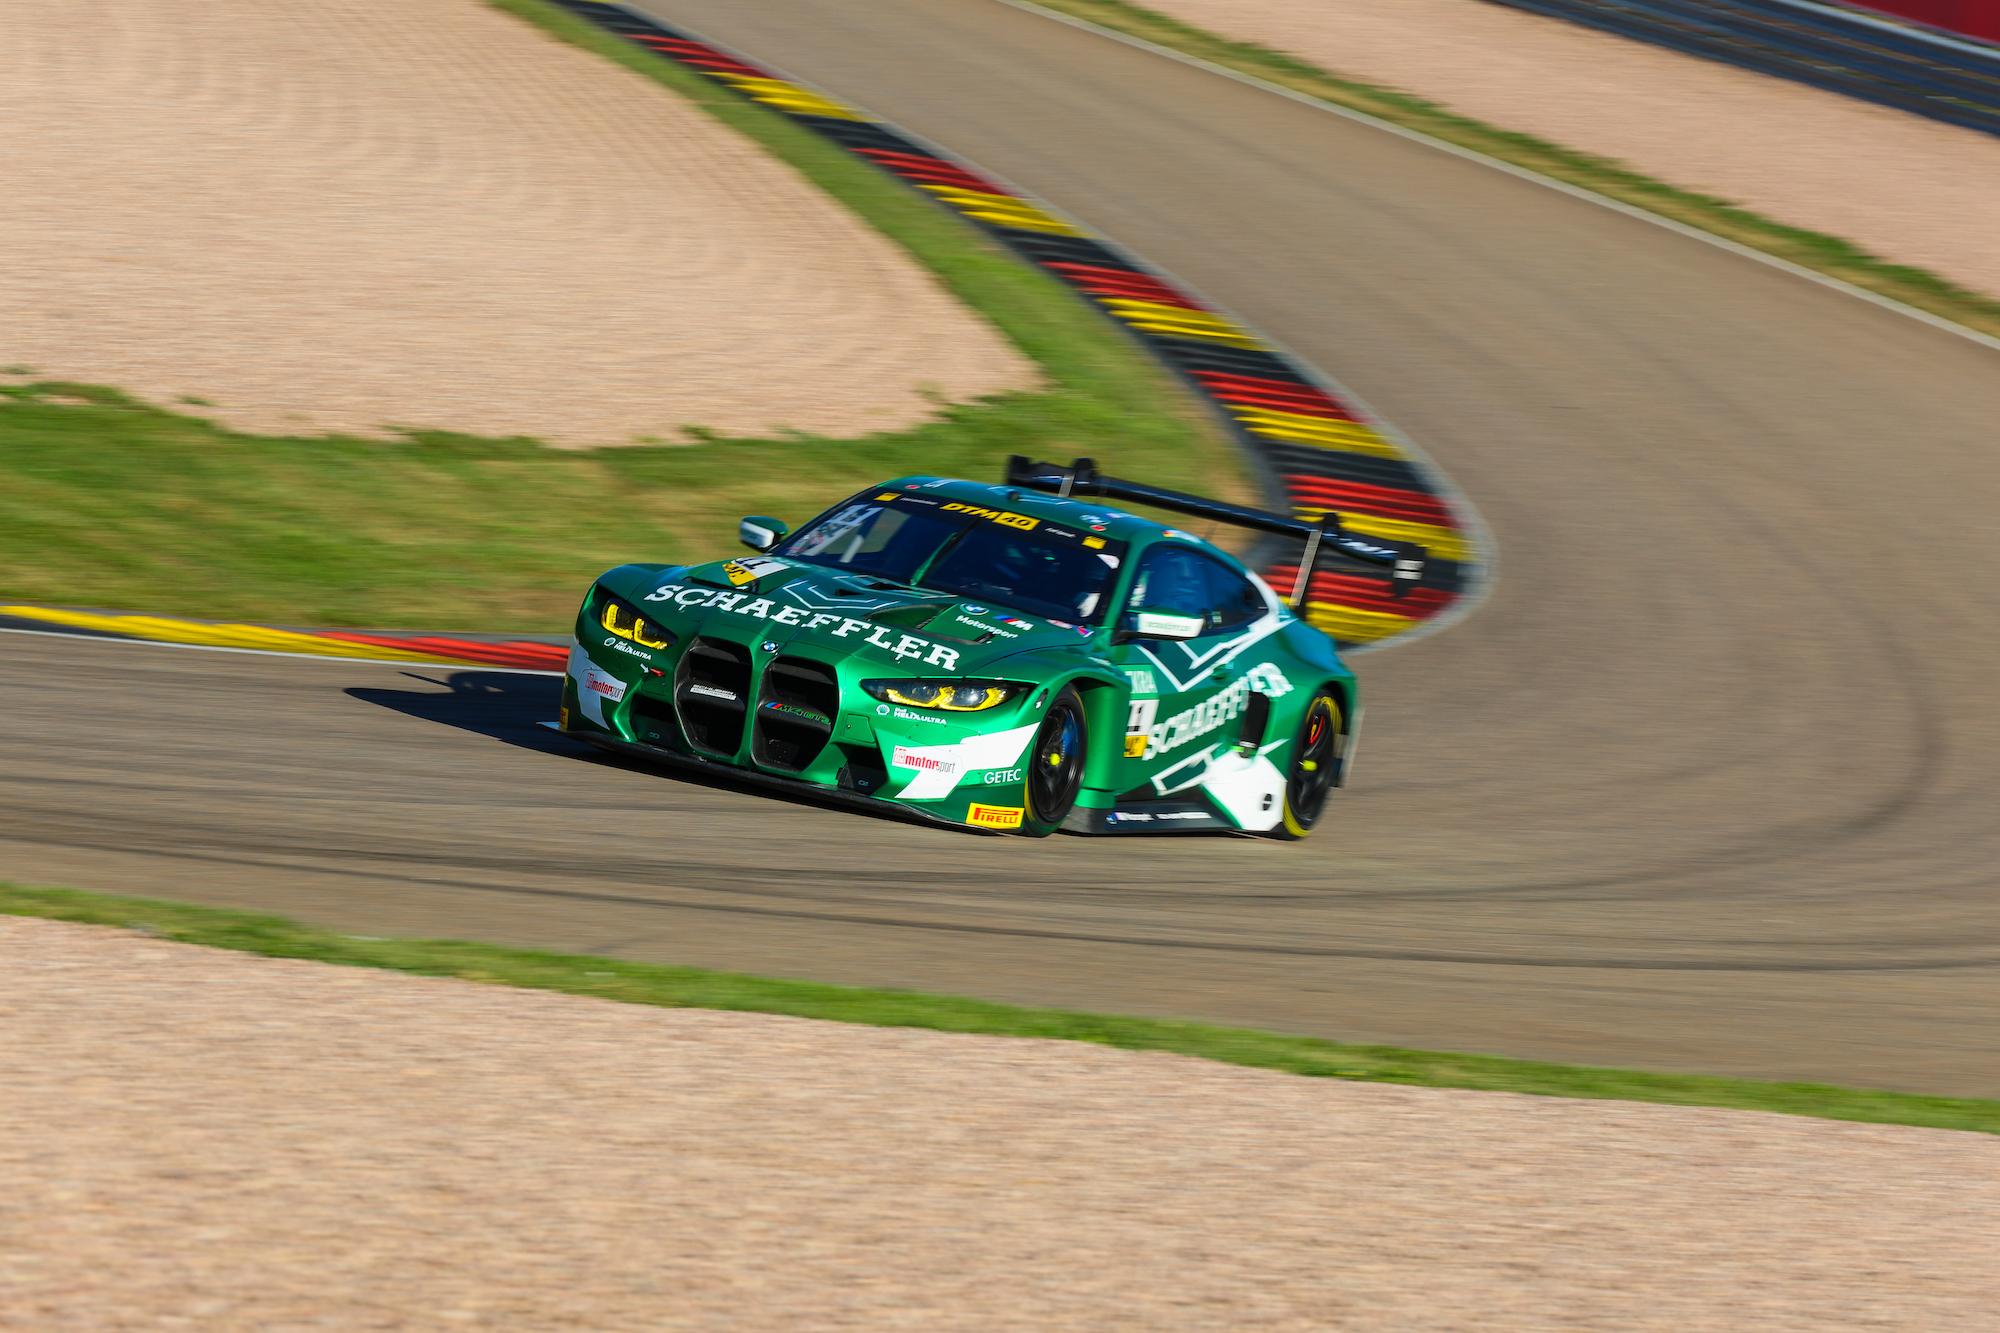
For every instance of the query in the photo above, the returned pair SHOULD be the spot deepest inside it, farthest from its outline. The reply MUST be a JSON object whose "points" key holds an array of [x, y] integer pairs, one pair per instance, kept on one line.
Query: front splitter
{"points": [[797, 786]]}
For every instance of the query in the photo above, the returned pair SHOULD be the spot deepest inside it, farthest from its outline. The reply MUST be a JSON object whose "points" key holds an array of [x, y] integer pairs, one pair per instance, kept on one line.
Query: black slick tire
{"points": [[1055, 765], [1309, 774]]}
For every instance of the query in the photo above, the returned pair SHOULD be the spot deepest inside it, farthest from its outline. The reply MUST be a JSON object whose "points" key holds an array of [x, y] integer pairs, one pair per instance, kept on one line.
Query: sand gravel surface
{"points": [[1911, 190], [201, 1139], [349, 214]]}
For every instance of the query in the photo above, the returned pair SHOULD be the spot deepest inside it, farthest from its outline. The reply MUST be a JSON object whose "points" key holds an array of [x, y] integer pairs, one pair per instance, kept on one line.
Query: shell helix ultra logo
{"points": [[994, 816]]}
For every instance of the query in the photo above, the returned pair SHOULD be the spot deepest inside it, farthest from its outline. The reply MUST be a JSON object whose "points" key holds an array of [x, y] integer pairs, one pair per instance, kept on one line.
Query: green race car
{"points": [[1017, 658]]}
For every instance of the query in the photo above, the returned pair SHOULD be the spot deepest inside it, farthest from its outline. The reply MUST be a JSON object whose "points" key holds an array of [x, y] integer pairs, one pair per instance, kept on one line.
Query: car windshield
{"points": [[1045, 571]]}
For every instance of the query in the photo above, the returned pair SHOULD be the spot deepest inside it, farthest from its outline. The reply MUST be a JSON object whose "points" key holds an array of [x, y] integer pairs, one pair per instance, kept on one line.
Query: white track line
{"points": [[1574, 191]]}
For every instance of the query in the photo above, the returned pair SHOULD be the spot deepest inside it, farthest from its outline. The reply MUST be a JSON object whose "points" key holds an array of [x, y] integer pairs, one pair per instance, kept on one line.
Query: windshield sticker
{"points": [[909, 646], [1000, 516]]}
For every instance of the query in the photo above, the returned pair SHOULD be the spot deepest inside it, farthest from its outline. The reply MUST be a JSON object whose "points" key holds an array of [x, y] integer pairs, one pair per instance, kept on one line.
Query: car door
{"points": [[1187, 696]]}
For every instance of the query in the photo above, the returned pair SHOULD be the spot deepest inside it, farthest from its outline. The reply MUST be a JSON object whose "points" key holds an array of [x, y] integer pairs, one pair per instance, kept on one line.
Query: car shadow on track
{"points": [[511, 707]]}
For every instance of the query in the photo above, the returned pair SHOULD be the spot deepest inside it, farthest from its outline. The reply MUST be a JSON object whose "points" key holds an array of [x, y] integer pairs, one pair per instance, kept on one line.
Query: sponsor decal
{"points": [[624, 647], [1094, 543], [1184, 536], [1000, 516], [909, 646], [1142, 680], [889, 495], [795, 710], [1139, 725], [1000, 777], [739, 572], [562, 718], [1017, 624], [982, 625], [1168, 624], [597, 682], [1134, 817], [712, 692], [994, 816], [905, 757], [939, 768], [1219, 709]]}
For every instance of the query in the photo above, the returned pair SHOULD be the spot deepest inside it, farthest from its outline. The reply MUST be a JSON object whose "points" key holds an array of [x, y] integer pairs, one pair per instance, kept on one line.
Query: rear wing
{"points": [[1404, 562]]}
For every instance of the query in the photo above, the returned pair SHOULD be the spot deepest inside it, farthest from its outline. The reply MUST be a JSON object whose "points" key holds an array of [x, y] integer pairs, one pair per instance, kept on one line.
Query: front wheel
{"points": [[1310, 777], [1055, 765]]}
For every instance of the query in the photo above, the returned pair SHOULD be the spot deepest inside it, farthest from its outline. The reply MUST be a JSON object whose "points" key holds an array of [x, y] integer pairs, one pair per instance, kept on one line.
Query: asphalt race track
{"points": [[1707, 784]]}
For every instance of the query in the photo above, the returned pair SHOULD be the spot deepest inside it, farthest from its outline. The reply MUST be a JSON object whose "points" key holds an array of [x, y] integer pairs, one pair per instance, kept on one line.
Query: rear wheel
{"points": [[1055, 765], [1310, 777]]}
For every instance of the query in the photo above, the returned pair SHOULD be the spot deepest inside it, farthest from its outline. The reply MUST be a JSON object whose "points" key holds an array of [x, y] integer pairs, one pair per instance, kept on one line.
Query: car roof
{"points": [[1086, 513]]}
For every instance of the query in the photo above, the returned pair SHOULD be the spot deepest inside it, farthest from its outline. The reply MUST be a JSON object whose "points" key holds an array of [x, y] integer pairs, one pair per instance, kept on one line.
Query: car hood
{"points": [[770, 599]]}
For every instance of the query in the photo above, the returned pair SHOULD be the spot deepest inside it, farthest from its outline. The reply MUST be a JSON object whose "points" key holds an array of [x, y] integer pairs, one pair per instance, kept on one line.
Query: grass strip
{"points": [[693, 988], [1614, 180], [108, 501]]}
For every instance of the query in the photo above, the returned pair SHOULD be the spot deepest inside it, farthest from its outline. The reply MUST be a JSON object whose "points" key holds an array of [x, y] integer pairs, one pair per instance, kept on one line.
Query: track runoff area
{"points": [[1317, 451], [1320, 457]]}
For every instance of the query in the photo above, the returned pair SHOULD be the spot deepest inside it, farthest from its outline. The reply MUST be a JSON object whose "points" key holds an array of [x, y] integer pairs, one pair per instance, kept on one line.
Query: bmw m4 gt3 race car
{"points": [[1016, 658]]}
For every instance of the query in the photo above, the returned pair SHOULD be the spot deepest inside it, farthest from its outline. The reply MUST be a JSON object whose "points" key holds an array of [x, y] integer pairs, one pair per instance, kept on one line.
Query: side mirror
{"points": [[1147, 623], [760, 533]]}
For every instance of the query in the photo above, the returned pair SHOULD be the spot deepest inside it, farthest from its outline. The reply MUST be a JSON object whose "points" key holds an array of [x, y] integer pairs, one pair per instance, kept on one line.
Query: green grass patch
{"points": [[693, 988], [1614, 180], [111, 502]]}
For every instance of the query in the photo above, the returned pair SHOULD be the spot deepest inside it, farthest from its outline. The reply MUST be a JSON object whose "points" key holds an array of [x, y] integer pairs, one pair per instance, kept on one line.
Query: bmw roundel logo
{"points": [[975, 610], [769, 646]]}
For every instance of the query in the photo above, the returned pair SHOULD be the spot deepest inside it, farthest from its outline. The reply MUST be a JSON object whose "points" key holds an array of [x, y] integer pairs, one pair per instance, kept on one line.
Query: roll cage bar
{"points": [[1404, 561]]}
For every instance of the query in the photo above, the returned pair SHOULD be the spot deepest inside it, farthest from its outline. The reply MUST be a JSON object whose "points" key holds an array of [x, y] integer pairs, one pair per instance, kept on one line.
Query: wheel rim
{"points": [[1056, 768], [1312, 767]]}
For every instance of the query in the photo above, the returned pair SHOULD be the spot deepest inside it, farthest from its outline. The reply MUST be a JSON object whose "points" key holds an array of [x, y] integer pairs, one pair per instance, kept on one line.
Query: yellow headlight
{"points": [[951, 696], [626, 623]]}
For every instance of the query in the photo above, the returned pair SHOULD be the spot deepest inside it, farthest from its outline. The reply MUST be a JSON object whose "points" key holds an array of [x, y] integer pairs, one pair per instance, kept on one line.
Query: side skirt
{"points": [[1190, 816]]}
